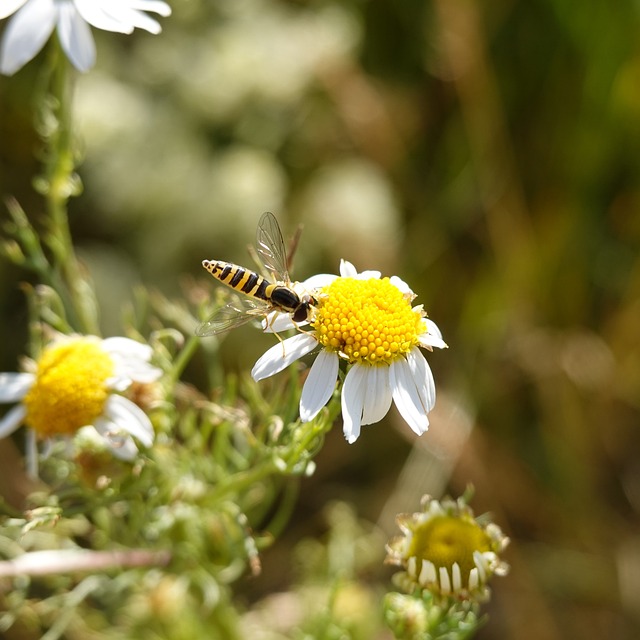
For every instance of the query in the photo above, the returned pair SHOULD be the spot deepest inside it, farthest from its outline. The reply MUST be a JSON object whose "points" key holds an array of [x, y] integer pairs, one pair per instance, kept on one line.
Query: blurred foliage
{"points": [[488, 154]]}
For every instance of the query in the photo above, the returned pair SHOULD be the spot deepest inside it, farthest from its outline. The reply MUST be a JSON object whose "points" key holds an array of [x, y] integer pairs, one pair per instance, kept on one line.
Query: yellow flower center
{"points": [[445, 540], [367, 320], [70, 387]]}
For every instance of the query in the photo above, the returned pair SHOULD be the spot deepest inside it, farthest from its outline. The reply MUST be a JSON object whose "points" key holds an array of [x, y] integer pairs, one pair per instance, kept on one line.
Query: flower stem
{"points": [[182, 359], [58, 184], [316, 428], [240, 482]]}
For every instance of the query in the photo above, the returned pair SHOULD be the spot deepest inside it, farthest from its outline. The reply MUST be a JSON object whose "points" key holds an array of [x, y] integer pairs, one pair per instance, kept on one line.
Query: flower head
{"points": [[369, 323], [446, 551], [74, 385], [35, 20]]}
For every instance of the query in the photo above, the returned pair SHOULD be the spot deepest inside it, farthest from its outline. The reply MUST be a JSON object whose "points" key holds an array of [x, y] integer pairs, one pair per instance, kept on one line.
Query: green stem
{"points": [[183, 359], [315, 429], [60, 165], [287, 504], [240, 482], [60, 183]]}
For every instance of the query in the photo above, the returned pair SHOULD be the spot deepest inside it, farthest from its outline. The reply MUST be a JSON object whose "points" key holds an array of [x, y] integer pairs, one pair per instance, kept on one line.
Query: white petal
{"points": [[378, 396], [474, 580], [120, 444], [126, 450], [129, 417], [347, 270], [97, 14], [432, 337], [411, 566], [137, 19], [8, 7], [123, 447], [428, 573], [155, 6], [445, 582], [428, 342], [131, 362], [432, 328], [407, 397], [319, 384], [456, 577], [276, 322], [75, 37], [318, 281], [12, 420], [281, 355], [129, 14], [479, 561], [143, 372], [133, 371], [353, 394], [401, 284], [26, 34], [13, 386], [125, 376], [368, 275], [118, 383], [127, 348], [422, 377]]}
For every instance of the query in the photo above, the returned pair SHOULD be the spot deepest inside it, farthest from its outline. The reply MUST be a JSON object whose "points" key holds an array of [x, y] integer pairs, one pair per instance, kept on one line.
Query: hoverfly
{"points": [[263, 296]]}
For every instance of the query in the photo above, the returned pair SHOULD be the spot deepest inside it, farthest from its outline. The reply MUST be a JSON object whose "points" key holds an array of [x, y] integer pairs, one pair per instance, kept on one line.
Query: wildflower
{"points": [[446, 551], [35, 20], [75, 385], [367, 321]]}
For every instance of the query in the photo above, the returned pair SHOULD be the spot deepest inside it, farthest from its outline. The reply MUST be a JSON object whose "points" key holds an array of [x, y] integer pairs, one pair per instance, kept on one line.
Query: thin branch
{"points": [[39, 563]]}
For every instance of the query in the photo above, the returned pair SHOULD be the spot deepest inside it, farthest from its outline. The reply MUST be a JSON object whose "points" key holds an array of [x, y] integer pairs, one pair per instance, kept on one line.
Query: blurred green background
{"points": [[487, 153]]}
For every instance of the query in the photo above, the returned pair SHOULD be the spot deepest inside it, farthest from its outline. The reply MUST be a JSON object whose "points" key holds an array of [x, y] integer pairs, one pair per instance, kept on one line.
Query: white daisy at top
{"points": [[76, 384], [35, 20], [367, 321]]}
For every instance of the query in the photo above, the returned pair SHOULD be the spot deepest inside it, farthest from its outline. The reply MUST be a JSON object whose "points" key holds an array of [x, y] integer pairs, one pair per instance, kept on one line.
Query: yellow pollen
{"points": [[445, 540], [70, 387], [367, 320]]}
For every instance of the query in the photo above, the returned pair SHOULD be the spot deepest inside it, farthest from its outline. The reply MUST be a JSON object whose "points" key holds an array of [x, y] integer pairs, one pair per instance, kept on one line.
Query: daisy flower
{"points": [[368, 322], [445, 550], [75, 384], [35, 20]]}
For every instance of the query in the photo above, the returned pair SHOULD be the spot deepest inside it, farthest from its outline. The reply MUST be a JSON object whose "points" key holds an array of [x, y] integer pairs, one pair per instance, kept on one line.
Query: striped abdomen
{"points": [[239, 278]]}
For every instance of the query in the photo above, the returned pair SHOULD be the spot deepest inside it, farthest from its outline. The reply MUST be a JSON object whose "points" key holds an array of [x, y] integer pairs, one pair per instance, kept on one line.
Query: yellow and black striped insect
{"points": [[263, 296]]}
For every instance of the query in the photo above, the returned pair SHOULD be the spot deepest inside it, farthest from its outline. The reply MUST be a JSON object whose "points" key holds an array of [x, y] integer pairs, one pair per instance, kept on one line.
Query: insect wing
{"points": [[270, 247], [232, 315]]}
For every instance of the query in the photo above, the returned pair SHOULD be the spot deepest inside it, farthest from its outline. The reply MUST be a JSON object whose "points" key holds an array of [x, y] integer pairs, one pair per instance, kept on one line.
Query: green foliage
{"points": [[487, 152]]}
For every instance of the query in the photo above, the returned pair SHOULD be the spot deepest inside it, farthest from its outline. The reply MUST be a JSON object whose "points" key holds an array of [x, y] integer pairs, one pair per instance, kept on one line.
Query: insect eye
{"points": [[301, 313]]}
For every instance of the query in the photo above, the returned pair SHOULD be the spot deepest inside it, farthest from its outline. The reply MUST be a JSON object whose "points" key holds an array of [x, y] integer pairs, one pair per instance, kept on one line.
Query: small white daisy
{"points": [[367, 321], [75, 384], [35, 20]]}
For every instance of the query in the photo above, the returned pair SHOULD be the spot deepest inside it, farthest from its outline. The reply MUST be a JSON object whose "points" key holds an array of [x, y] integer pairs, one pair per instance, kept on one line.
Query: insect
{"points": [[263, 296]]}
